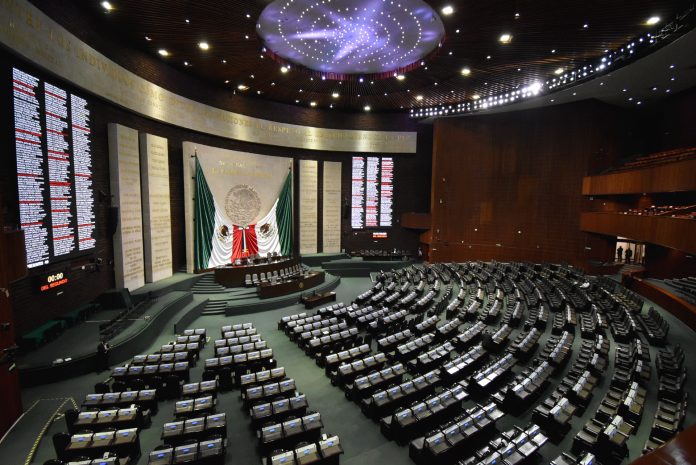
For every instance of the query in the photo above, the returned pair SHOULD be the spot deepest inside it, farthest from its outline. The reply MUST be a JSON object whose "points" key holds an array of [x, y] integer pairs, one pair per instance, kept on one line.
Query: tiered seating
{"points": [[658, 158], [513, 446], [655, 327], [457, 437]]}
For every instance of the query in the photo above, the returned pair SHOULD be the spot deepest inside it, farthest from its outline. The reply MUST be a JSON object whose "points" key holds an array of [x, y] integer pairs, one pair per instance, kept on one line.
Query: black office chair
{"points": [[137, 384], [156, 383], [70, 417], [173, 387], [118, 386], [226, 382], [209, 375], [101, 388], [60, 442]]}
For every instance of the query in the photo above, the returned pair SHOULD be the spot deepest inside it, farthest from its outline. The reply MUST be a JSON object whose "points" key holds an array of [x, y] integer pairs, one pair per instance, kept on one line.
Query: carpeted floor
{"points": [[361, 438]]}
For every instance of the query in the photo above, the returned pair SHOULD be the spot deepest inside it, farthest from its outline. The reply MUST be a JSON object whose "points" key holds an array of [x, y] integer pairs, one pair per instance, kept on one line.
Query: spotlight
{"points": [[163, 52], [242, 87], [312, 104], [447, 10], [367, 108], [400, 77], [335, 95], [558, 71], [466, 71], [419, 97], [505, 38], [203, 45], [284, 69], [651, 21], [107, 6]]}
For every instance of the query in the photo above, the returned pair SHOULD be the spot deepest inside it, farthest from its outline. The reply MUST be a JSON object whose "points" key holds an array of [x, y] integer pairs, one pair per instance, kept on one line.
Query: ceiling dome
{"points": [[347, 37]]}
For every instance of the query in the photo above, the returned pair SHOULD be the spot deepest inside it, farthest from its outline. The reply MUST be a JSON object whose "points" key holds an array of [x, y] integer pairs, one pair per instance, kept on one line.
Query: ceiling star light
{"points": [[164, 52], [447, 10], [343, 38], [505, 38], [651, 21], [203, 45]]}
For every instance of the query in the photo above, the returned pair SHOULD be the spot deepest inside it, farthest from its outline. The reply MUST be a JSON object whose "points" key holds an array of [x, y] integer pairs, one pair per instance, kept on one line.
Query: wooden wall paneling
{"points": [[672, 177], [513, 181], [677, 233]]}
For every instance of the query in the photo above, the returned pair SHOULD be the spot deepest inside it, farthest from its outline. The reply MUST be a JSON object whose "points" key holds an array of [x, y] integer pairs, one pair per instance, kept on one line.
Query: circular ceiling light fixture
{"points": [[343, 38]]}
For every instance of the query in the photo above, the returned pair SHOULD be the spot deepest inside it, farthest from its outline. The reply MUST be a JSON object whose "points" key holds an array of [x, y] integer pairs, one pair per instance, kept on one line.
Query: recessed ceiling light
{"points": [[242, 87], [107, 6], [466, 71], [248, 15], [558, 71], [447, 10], [227, 81], [517, 15], [148, 38], [419, 97], [505, 38], [163, 52], [335, 95], [367, 108], [284, 69], [187, 21], [224, 61], [312, 104], [585, 26], [553, 51], [651, 21], [186, 63], [203, 45], [400, 77]]}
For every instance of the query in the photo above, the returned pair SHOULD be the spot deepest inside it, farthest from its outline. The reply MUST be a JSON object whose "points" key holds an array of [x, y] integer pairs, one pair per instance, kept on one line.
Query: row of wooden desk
{"points": [[234, 275], [299, 284]]}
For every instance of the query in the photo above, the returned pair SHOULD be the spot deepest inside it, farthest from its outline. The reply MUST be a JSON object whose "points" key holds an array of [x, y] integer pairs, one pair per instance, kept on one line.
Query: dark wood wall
{"points": [[412, 177], [507, 186]]}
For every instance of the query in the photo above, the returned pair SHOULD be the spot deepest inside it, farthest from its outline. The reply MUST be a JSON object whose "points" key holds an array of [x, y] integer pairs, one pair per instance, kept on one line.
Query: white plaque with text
{"points": [[157, 224], [124, 167], [309, 184], [331, 208]]}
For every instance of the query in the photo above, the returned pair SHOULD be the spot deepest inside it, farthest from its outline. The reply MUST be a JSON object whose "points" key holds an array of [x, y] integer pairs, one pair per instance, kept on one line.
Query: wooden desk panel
{"points": [[288, 287], [233, 276]]}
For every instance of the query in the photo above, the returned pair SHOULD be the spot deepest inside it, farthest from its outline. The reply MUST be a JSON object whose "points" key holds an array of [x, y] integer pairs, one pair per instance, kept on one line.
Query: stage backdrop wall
{"points": [[237, 204]]}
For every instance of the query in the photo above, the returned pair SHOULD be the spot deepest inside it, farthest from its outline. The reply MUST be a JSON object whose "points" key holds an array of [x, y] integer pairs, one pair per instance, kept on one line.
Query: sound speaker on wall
{"points": [[113, 220]]}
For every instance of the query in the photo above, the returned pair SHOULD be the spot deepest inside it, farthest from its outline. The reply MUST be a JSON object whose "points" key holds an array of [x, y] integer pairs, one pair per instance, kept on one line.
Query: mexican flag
{"points": [[219, 243]]}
